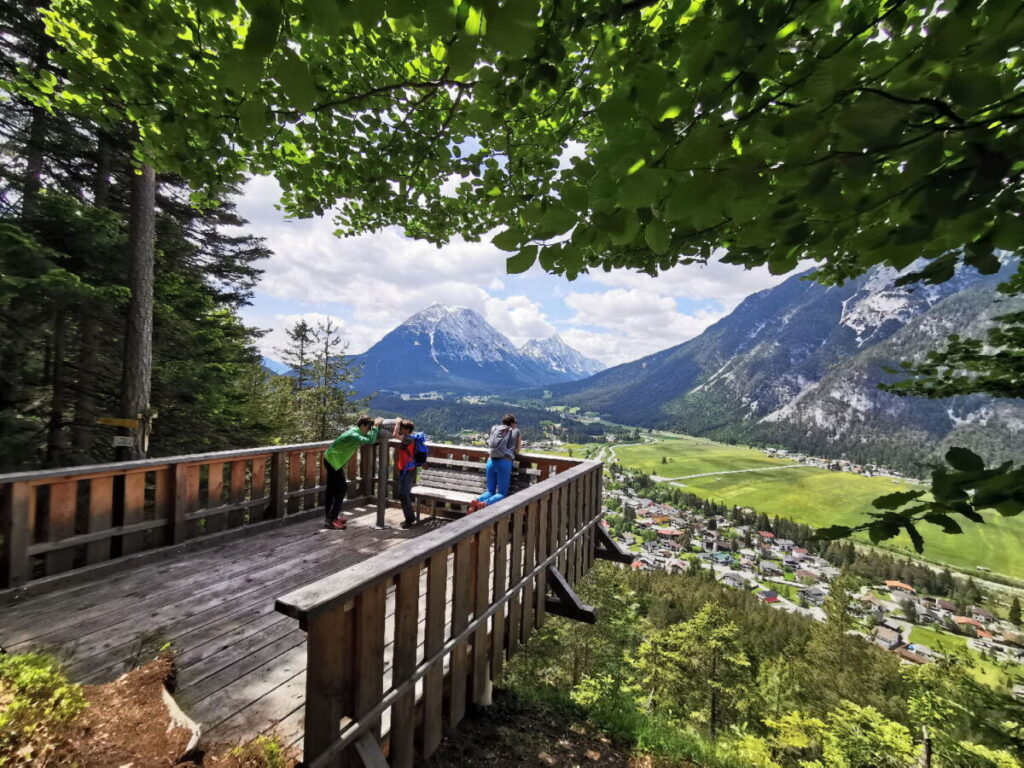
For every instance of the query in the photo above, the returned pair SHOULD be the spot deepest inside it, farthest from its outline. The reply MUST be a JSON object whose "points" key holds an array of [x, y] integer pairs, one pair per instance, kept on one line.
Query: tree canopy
{"points": [[633, 134], [602, 134]]}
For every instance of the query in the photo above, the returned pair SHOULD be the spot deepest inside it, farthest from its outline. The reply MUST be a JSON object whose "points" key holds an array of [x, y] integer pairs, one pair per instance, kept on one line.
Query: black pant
{"points": [[334, 496], [406, 480]]}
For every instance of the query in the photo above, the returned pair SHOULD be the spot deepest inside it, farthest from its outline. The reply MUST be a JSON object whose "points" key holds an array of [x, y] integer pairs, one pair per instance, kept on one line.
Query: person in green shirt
{"points": [[335, 459]]}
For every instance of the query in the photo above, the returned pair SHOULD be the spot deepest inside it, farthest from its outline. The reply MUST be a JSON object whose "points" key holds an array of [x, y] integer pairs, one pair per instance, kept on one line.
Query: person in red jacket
{"points": [[405, 468]]}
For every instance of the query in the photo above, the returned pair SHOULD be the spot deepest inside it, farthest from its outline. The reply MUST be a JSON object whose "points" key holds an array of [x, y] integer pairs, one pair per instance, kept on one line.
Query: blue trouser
{"points": [[499, 478]]}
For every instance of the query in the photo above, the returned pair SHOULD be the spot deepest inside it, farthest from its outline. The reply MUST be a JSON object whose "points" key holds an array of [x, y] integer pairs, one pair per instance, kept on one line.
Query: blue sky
{"points": [[371, 283]]}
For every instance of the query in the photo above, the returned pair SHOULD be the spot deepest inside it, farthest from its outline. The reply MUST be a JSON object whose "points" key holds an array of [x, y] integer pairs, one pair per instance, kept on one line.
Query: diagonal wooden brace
{"points": [[370, 752], [608, 549], [566, 602]]}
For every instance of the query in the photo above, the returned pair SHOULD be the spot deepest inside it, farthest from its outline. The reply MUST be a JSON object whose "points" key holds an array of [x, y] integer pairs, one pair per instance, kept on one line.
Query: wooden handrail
{"points": [[344, 585], [478, 587]]}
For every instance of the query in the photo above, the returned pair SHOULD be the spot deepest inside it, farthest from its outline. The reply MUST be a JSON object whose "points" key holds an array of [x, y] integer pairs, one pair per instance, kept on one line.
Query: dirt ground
{"points": [[511, 734], [126, 722]]}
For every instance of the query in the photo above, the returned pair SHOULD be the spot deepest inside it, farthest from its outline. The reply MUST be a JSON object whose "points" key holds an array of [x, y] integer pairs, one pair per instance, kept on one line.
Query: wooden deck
{"points": [[242, 666]]}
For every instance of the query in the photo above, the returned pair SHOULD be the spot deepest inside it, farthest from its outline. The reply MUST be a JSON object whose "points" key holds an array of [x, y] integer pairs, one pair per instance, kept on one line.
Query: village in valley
{"points": [[739, 548]]}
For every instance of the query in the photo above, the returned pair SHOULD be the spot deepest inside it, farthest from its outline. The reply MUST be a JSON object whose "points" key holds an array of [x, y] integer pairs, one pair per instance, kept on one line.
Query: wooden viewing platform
{"points": [[102, 565]]}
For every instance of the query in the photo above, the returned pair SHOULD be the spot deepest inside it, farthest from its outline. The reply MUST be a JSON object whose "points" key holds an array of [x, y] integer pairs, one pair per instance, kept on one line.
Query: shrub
{"points": [[37, 704]]}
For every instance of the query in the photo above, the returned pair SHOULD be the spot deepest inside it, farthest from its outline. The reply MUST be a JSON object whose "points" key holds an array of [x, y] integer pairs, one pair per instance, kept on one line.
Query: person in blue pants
{"points": [[504, 442]]}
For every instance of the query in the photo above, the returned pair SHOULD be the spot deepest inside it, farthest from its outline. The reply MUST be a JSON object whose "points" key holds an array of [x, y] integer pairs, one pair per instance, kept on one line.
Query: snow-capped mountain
{"points": [[454, 349], [800, 363], [559, 356]]}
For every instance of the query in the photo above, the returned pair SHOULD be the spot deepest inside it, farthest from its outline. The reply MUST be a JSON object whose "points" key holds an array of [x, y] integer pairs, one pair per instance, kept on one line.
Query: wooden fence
{"points": [[91, 517], [403, 641]]}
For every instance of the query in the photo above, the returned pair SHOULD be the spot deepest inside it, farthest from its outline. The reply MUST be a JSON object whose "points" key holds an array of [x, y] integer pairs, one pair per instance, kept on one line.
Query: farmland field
{"points": [[819, 497]]}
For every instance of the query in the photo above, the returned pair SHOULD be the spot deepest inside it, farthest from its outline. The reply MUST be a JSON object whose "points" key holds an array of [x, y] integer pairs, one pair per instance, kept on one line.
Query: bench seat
{"points": [[445, 483]]}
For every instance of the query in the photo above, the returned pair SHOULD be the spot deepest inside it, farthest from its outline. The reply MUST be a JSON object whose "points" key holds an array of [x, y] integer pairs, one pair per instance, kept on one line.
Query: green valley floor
{"points": [[816, 497]]}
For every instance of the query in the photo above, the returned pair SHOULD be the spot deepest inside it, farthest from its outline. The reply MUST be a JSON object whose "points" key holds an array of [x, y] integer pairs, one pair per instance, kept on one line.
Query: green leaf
{"points": [[462, 55], [252, 118], [833, 532], [949, 525], [297, 81], [915, 537], [896, 500], [261, 38], [508, 240], [883, 529], [522, 261], [964, 460], [558, 219], [656, 235]]}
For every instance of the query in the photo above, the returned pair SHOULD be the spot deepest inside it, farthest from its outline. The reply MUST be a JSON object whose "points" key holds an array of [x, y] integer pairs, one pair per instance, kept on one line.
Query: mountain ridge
{"points": [[798, 365], [454, 349]]}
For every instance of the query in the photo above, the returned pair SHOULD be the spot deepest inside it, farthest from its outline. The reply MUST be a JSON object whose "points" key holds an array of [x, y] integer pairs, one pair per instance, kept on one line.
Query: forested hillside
{"points": [[69, 212]]}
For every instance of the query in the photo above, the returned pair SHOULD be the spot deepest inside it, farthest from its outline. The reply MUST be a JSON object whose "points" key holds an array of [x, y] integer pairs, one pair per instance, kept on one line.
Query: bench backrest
{"points": [[467, 476]]}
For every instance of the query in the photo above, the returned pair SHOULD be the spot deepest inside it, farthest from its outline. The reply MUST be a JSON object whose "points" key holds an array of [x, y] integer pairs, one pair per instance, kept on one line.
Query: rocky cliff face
{"points": [[800, 364]]}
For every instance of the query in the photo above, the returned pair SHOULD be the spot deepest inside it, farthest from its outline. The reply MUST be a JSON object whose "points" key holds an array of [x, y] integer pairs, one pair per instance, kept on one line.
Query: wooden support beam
{"points": [[370, 752], [609, 549], [566, 602]]}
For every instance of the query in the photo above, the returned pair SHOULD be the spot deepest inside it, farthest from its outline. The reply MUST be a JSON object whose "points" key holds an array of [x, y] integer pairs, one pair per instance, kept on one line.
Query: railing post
{"points": [[382, 475], [278, 484], [17, 534], [330, 678], [179, 505]]}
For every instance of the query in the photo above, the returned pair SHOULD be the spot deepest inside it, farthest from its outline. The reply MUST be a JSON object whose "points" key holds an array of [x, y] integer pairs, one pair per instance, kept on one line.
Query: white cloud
{"points": [[623, 324], [371, 283], [728, 284]]}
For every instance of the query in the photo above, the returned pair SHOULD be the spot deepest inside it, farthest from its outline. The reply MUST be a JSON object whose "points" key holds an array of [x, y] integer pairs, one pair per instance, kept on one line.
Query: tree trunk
{"points": [[104, 164], [713, 715], [86, 409], [55, 423], [33, 181], [138, 344]]}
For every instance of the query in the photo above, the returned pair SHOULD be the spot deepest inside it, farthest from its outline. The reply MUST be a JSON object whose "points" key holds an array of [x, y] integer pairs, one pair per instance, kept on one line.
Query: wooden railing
{"points": [[401, 642], [60, 520]]}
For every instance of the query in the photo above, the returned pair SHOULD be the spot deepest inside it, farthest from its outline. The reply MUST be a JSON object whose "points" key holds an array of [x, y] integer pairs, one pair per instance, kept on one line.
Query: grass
{"points": [[819, 497], [985, 671]]}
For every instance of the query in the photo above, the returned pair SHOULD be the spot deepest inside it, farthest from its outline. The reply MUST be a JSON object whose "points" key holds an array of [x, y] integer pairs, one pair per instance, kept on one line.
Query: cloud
{"points": [[621, 324], [369, 284], [728, 284]]}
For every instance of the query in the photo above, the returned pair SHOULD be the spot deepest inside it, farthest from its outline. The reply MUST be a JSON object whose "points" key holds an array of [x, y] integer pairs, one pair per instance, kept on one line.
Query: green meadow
{"points": [[819, 497]]}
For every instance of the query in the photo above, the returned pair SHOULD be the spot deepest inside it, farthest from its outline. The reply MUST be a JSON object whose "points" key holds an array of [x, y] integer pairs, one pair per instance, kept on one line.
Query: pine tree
{"points": [[1015, 611]]}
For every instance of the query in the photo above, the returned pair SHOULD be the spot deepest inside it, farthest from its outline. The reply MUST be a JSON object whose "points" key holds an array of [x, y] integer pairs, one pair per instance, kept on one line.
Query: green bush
{"points": [[262, 751], [37, 704]]}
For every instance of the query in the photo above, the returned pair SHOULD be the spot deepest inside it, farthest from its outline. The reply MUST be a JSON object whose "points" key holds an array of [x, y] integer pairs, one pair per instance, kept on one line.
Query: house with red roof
{"points": [[967, 621]]}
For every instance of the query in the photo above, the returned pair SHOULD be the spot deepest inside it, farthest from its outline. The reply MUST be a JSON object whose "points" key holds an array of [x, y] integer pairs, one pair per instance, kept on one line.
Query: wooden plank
{"points": [[543, 520], [134, 511], [258, 490], [61, 524], [515, 573], [370, 651], [101, 506], [481, 601], [19, 514], [294, 480], [500, 587], [366, 473], [433, 640], [215, 497], [278, 485], [330, 677], [561, 517], [163, 504], [309, 481], [236, 493], [462, 595], [529, 619], [407, 598]]}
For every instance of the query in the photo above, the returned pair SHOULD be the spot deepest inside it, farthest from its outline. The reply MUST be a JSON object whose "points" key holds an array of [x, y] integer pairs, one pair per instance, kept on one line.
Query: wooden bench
{"points": [[449, 485]]}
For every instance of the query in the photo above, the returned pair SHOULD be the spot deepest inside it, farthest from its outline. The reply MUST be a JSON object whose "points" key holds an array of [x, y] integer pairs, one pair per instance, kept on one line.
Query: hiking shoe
{"points": [[408, 524], [335, 525], [474, 506]]}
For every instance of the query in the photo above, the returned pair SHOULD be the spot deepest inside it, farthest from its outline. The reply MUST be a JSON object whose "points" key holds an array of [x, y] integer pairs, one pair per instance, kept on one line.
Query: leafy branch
{"points": [[963, 489]]}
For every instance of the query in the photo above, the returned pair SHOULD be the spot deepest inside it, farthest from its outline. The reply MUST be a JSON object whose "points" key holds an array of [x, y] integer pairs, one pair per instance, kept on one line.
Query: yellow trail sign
{"points": [[112, 421]]}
